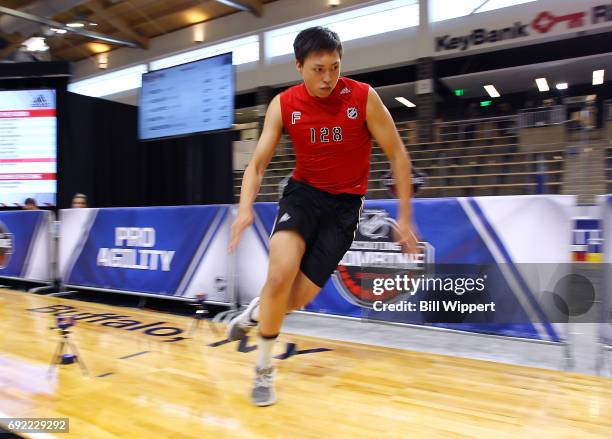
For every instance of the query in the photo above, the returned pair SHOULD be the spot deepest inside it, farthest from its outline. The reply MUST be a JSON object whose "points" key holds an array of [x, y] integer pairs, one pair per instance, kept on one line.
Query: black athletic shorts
{"points": [[327, 222]]}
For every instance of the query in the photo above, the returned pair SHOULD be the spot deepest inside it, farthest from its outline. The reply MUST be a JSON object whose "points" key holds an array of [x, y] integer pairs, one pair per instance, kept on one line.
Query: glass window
{"points": [[358, 23], [110, 83], [446, 9], [244, 50]]}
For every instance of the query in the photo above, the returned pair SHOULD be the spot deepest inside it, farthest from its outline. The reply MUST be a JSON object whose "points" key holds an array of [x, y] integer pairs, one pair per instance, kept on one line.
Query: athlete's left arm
{"points": [[381, 126]]}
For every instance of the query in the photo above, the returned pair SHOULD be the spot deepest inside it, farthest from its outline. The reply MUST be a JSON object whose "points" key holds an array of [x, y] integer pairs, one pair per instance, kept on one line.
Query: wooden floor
{"points": [[188, 389]]}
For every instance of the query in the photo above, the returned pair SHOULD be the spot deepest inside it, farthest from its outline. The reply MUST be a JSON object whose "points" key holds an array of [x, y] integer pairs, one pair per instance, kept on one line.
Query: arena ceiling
{"points": [[127, 21]]}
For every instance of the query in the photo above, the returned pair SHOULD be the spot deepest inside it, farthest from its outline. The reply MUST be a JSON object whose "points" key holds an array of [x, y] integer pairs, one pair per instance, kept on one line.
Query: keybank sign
{"points": [[543, 23]]}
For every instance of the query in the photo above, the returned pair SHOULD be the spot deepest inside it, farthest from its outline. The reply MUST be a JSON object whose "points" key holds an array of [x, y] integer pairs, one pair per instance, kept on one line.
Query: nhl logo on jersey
{"points": [[351, 112]]}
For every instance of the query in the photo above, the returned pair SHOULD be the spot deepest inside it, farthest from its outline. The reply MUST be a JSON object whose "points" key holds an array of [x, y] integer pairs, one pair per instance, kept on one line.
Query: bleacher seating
{"points": [[484, 161], [609, 168]]}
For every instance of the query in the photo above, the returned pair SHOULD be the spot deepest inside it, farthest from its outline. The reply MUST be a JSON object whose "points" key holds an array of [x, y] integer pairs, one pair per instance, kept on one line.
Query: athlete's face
{"points": [[320, 72]]}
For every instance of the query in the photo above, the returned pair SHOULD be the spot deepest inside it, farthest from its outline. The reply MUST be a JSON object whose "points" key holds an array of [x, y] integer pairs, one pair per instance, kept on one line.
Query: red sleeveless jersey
{"points": [[331, 142]]}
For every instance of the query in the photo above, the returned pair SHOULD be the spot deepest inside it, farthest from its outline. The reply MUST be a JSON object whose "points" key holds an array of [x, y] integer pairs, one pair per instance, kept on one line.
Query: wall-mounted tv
{"points": [[189, 98]]}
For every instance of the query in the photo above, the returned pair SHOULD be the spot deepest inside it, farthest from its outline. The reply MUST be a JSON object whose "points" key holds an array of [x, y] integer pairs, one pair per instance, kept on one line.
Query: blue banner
{"points": [[24, 241], [158, 250], [606, 327]]}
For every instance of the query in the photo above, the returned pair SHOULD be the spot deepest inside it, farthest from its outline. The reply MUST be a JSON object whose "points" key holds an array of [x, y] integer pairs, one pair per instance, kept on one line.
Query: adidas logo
{"points": [[285, 217], [39, 102], [345, 90]]}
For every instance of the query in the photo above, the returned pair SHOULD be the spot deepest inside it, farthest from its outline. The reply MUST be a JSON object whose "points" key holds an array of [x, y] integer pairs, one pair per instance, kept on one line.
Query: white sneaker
{"points": [[263, 393], [240, 325]]}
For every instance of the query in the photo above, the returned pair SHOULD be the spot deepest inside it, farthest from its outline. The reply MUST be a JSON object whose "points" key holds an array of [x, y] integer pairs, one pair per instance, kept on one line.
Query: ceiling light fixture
{"points": [[198, 33], [542, 84], [598, 77], [492, 91], [405, 101], [36, 44], [103, 60]]}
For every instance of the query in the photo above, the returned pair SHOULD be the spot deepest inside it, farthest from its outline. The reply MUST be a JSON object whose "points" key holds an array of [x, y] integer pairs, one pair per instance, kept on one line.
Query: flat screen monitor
{"points": [[28, 147], [189, 98]]}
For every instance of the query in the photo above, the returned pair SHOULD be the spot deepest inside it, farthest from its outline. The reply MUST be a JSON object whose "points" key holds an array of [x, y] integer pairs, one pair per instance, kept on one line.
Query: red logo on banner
{"points": [[545, 21], [6, 245], [373, 257]]}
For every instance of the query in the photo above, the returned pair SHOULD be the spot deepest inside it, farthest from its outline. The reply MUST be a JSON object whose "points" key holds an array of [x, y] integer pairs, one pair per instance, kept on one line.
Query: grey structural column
{"points": [[426, 77], [426, 101], [263, 96]]}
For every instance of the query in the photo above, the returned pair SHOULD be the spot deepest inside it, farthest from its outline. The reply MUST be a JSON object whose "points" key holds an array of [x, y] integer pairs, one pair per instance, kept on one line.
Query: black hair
{"points": [[30, 201], [80, 195], [315, 39]]}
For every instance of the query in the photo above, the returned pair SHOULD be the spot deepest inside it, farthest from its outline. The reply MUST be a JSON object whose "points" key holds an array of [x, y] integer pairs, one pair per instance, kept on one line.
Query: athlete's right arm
{"points": [[254, 173]]}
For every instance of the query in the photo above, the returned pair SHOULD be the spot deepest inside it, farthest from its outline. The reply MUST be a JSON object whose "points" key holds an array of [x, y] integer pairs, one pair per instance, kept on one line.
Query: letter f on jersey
{"points": [[295, 116]]}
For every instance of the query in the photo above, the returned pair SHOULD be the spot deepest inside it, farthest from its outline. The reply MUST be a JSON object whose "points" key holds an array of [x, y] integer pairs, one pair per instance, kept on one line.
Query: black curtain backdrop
{"points": [[101, 156], [99, 153]]}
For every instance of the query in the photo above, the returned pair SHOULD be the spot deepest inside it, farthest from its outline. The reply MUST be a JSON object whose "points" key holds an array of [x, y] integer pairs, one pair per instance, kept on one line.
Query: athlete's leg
{"points": [[302, 292], [286, 251], [296, 224]]}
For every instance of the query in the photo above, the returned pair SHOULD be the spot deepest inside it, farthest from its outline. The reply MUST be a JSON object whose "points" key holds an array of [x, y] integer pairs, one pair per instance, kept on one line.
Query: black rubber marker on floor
{"points": [[134, 355]]}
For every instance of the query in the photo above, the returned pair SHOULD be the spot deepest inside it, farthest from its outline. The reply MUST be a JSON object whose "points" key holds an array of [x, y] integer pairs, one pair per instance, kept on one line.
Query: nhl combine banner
{"points": [[606, 327], [25, 240], [170, 251], [514, 250]]}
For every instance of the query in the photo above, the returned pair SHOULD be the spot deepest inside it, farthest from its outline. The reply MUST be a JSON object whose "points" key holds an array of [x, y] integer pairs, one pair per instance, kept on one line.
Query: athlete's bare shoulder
{"points": [[274, 116], [374, 105]]}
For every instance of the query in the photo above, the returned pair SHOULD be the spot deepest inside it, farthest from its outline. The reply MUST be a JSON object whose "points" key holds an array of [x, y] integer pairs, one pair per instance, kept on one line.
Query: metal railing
{"points": [[584, 170], [468, 129], [542, 116], [607, 108]]}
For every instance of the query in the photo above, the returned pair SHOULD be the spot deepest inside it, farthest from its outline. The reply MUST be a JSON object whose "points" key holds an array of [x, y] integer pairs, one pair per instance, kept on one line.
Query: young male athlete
{"points": [[331, 122]]}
